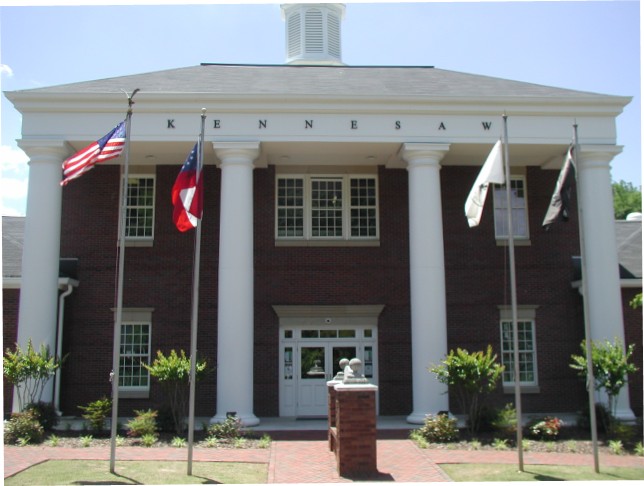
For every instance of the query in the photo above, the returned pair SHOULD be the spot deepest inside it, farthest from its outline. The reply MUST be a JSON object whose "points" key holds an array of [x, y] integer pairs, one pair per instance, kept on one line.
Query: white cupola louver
{"points": [[313, 33]]}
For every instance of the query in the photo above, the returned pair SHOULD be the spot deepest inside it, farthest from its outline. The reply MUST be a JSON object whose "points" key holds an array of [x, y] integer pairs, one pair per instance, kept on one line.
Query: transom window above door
{"points": [[326, 208]]}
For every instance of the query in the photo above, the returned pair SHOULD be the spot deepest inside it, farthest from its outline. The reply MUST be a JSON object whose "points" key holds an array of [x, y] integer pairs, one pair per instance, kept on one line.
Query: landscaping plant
{"points": [[173, 374], [23, 428], [470, 377], [96, 413], [545, 429], [143, 424], [29, 371], [437, 428], [611, 367]]}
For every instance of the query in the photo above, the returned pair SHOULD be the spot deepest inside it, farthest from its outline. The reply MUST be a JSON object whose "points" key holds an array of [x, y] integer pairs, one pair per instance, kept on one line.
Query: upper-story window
{"points": [[519, 208], [140, 207], [325, 207]]}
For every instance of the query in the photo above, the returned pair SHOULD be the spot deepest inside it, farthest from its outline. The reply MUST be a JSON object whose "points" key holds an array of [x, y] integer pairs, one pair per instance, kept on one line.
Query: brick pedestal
{"points": [[353, 439]]}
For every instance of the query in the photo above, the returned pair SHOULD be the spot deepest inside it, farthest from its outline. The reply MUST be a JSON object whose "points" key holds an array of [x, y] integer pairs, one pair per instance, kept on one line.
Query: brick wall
{"points": [[477, 282], [10, 301]]}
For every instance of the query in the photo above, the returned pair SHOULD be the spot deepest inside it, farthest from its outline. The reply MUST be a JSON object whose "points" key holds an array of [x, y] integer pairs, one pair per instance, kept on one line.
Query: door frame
{"points": [[295, 319]]}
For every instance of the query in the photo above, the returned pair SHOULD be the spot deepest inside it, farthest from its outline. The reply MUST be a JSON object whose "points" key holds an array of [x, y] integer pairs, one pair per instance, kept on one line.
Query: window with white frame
{"points": [[327, 207], [519, 208], [526, 347], [134, 352], [140, 207]]}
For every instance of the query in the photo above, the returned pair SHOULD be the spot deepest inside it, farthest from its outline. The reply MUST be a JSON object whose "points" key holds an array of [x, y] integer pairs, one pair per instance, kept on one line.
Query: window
{"points": [[527, 346], [519, 207], [134, 351], [327, 207], [140, 207]]}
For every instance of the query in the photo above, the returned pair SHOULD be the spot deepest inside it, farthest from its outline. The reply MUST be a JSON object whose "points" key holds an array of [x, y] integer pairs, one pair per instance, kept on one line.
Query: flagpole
{"points": [[584, 287], [119, 292], [195, 305], [513, 294]]}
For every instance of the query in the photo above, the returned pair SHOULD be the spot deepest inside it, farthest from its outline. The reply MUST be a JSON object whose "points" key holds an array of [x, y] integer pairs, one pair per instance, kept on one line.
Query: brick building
{"points": [[333, 226]]}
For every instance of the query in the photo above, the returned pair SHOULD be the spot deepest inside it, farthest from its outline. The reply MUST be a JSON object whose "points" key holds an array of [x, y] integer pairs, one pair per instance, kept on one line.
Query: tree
{"points": [[471, 377], [611, 367], [173, 373], [29, 371], [626, 199]]}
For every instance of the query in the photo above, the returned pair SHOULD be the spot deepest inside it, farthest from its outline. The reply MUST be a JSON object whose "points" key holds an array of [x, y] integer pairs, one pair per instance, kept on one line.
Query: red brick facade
{"points": [[477, 282]]}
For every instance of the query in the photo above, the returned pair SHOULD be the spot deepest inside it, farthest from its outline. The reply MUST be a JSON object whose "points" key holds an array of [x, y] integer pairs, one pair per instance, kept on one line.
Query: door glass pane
{"points": [[347, 333], [313, 364], [288, 363], [339, 352]]}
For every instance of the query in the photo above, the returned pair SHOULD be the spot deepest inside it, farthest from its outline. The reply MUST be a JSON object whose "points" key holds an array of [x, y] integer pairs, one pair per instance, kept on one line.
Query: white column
{"points": [[236, 297], [602, 265], [427, 274], [38, 311]]}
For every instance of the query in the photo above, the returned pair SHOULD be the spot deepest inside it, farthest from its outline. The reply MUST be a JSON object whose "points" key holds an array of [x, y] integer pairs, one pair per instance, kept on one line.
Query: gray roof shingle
{"points": [[344, 81]]}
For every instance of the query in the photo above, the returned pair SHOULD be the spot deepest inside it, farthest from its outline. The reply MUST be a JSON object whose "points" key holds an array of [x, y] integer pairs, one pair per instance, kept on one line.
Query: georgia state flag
{"points": [[187, 194]]}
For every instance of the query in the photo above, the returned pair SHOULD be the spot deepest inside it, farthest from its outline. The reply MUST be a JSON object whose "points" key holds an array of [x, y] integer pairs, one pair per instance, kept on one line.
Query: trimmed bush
{"points": [[96, 413], [47, 415], [545, 429], [144, 424], [439, 428], [23, 428], [231, 428]]}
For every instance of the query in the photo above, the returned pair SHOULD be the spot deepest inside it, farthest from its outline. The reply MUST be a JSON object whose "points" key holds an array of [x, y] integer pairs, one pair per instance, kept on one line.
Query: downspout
{"points": [[59, 343]]}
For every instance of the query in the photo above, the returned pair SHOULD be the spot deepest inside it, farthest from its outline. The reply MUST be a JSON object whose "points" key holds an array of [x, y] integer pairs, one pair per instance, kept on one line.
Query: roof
{"points": [[303, 80], [13, 230], [629, 247]]}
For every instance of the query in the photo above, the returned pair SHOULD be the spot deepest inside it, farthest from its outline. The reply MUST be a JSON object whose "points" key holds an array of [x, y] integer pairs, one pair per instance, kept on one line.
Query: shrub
{"points": [[506, 420], [23, 428], [604, 418], [470, 377], [46, 412], [96, 413], [611, 367], [144, 423], [86, 440], [439, 428], [231, 428], [173, 374], [545, 429], [29, 371]]}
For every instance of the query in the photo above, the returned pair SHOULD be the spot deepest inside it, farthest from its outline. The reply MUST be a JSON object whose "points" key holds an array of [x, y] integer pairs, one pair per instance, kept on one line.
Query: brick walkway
{"points": [[309, 461]]}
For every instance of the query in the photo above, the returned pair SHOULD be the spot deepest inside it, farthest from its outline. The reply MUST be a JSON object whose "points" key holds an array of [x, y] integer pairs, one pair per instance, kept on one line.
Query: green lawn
{"points": [[140, 472], [509, 472]]}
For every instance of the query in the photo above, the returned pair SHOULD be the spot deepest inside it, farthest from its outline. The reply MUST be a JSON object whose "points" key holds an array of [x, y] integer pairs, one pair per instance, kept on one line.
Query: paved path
{"points": [[309, 461]]}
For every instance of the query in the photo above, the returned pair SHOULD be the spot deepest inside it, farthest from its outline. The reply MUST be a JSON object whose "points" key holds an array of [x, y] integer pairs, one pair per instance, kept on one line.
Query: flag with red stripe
{"points": [[106, 148], [187, 193]]}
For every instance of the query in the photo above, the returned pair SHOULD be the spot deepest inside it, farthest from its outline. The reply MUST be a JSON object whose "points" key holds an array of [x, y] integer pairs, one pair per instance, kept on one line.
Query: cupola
{"points": [[313, 33]]}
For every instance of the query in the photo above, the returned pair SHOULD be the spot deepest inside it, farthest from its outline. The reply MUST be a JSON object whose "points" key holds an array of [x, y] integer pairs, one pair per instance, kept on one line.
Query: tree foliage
{"points": [[173, 373], [626, 199], [470, 377], [611, 367], [29, 371]]}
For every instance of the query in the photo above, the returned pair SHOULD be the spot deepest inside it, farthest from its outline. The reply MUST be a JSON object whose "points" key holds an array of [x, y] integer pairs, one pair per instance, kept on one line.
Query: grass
{"points": [[509, 472], [140, 472]]}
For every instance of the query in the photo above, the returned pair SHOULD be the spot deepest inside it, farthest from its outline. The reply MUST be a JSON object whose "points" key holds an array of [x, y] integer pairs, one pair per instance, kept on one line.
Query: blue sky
{"points": [[583, 45]]}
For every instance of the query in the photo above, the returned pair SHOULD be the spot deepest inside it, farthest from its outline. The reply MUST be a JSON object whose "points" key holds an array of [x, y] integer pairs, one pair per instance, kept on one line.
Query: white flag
{"points": [[491, 173]]}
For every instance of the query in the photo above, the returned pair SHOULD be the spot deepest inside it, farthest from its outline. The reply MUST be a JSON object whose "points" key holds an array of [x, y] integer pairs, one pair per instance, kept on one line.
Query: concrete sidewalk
{"points": [[310, 461]]}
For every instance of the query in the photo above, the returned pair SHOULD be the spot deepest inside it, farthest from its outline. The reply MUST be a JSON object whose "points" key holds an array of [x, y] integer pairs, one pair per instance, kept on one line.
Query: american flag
{"points": [[106, 148]]}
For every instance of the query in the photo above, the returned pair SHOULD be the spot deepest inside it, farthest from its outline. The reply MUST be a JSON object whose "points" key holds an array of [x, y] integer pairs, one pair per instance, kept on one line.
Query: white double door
{"points": [[307, 366]]}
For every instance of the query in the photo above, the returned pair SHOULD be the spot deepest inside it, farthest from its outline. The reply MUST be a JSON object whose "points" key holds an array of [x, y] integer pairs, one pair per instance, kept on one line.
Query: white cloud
{"points": [[14, 181], [6, 69]]}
